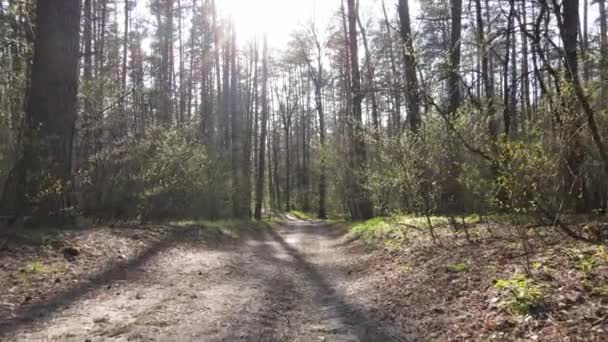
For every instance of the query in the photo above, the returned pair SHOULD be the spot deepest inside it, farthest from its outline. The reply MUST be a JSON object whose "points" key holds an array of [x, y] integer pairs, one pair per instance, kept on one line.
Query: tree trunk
{"points": [[51, 111], [488, 83], [370, 83], [454, 55], [322, 214], [87, 78], [182, 70], [360, 205], [603, 105], [526, 106], [240, 209], [259, 188], [412, 89], [395, 76], [574, 152], [123, 126], [507, 109]]}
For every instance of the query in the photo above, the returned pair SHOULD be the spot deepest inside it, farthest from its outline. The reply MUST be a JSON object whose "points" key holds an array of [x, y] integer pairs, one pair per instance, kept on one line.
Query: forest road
{"points": [[298, 282]]}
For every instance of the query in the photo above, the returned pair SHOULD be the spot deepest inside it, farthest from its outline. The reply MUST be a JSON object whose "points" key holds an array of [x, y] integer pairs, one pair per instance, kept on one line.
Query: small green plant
{"points": [[405, 269], [601, 290], [519, 294], [457, 268], [601, 254], [35, 267], [585, 263]]}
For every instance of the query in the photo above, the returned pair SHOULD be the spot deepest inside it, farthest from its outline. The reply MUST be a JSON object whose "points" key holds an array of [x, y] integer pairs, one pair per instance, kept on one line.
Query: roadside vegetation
{"points": [[488, 283]]}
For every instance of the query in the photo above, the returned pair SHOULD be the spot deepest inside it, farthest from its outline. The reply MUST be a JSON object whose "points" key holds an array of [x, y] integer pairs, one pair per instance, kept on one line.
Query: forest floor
{"points": [[299, 280]]}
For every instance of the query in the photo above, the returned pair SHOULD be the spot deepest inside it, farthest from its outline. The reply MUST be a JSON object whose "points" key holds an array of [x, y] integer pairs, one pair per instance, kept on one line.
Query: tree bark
{"points": [[51, 111], [360, 205], [412, 89], [240, 208], [454, 55], [370, 82], [259, 189], [488, 83], [603, 105], [395, 77]]}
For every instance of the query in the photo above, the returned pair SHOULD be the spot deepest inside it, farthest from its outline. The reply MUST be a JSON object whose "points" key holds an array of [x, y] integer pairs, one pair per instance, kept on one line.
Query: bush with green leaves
{"points": [[163, 174], [405, 177], [519, 294], [527, 175]]}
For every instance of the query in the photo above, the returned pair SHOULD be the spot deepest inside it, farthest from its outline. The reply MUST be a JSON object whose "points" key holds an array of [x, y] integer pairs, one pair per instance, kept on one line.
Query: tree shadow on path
{"points": [[113, 272], [357, 319]]}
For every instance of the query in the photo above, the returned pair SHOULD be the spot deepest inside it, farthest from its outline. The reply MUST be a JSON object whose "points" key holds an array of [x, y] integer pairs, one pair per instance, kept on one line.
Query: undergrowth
{"points": [[519, 295], [394, 232], [302, 215]]}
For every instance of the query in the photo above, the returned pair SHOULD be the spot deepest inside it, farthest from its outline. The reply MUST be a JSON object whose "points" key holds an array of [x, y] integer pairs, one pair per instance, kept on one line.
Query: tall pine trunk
{"points": [[359, 203], [259, 187], [412, 89], [51, 111]]}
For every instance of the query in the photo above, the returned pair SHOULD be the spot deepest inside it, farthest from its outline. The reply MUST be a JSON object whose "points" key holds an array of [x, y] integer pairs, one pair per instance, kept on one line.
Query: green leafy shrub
{"points": [[163, 174], [585, 263], [519, 294], [525, 176]]}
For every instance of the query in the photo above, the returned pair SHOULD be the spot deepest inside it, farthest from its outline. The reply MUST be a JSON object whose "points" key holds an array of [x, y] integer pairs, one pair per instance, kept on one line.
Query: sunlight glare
{"points": [[276, 18]]}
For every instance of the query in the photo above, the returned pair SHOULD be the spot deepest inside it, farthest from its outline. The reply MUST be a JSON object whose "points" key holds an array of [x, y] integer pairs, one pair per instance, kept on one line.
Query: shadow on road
{"points": [[194, 236], [363, 325]]}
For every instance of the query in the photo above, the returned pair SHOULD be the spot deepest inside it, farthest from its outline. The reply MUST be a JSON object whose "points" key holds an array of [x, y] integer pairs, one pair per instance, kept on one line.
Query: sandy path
{"points": [[292, 284]]}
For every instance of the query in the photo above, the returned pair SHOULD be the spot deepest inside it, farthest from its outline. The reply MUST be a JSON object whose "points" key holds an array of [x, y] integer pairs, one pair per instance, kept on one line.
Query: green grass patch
{"points": [[302, 215], [39, 267], [601, 290], [585, 263], [417, 221], [519, 295], [586, 259], [35, 269], [458, 267], [377, 233], [394, 231]]}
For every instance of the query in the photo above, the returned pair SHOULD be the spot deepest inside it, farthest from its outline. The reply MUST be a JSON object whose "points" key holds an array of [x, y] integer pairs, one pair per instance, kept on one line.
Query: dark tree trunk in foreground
{"points": [[51, 111], [360, 205], [574, 154], [454, 99]]}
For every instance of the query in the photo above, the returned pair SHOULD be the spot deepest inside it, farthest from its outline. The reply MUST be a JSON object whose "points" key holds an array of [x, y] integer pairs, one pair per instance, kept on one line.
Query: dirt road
{"points": [[299, 282]]}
